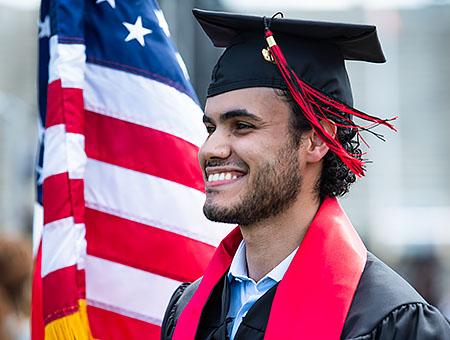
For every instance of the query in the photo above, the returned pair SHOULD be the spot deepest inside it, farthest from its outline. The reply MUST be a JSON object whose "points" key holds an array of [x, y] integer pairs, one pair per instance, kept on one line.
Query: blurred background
{"points": [[401, 208]]}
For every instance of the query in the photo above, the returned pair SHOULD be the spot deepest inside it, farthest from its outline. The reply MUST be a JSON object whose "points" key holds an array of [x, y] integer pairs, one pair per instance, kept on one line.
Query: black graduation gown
{"points": [[385, 307]]}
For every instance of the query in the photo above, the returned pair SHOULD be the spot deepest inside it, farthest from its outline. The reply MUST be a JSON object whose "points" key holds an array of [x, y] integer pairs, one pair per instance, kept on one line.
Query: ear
{"points": [[317, 148]]}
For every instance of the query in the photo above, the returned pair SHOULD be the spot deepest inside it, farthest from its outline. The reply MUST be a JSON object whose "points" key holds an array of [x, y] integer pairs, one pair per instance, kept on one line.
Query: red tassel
{"points": [[307, 97]]}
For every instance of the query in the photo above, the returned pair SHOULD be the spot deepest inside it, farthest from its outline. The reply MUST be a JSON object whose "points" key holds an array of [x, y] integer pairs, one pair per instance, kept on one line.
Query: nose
{"points": [[217, 145]]}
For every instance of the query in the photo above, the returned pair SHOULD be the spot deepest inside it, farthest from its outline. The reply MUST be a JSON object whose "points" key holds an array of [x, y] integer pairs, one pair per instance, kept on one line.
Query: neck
{"points": [[270, 241]]}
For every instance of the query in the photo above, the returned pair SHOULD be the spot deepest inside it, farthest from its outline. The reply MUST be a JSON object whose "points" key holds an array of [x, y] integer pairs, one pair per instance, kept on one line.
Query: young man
{"points": [[280, 149]]}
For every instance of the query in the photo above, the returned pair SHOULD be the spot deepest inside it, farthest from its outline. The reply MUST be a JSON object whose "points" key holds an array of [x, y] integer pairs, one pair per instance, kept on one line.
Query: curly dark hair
{"points": [[336, 177]]}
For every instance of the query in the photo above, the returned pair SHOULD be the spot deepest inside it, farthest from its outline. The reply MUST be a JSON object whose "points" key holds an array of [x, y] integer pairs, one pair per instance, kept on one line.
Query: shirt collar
{"points": [[238, 267]]}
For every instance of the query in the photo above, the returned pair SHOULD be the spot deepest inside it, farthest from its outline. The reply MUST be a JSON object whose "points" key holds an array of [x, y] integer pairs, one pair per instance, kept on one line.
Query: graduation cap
{"points": [[307, 58]]}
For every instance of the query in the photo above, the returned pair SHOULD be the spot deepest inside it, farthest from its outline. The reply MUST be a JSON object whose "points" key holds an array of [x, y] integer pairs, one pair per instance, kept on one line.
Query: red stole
{"points": [[313, 298]]}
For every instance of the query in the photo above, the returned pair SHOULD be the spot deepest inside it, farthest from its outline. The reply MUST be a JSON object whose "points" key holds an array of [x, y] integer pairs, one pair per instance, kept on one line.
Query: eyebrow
{"points": [[238, 113]]}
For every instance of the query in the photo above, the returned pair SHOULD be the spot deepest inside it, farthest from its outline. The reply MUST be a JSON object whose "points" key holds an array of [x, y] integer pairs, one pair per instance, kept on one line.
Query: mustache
{"points": [[221, 162]]}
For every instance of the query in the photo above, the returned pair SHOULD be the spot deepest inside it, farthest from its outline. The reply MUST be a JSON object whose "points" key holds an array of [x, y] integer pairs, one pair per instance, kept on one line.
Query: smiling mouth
{"points": [[218, 177], [222, 176]]}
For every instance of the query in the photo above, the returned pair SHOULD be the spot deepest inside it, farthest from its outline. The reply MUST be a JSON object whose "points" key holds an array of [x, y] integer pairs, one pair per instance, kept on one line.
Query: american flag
{"points": [[122, 189]]}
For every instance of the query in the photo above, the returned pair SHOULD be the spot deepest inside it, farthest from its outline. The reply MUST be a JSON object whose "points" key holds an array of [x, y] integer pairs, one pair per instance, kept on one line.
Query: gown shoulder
{"points": [[386, 307]]}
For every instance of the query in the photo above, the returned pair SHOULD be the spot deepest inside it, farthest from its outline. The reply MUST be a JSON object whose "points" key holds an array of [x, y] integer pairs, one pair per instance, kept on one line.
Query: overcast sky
{"points": [[27, 4]]}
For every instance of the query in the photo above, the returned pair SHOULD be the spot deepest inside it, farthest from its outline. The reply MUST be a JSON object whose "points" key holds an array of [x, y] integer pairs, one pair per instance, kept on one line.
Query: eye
{"points": [[210, 129], [243, 126]]}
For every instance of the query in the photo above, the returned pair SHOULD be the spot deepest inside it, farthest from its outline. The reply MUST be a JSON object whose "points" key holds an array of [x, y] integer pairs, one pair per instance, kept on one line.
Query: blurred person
{"points": [[15, 275], [281, 146]]}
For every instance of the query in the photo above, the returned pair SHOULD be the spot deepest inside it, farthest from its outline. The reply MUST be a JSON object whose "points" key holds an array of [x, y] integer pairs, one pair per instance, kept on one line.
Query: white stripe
{"points": [[55, 157], [126, 290], [67, 62], [38, 221], [64, 152], [182, 65], [63, 245], [76, 156], [143, 101], [150, 200]]}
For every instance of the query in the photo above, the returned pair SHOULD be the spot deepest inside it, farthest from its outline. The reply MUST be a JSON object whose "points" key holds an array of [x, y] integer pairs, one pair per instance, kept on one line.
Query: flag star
{"points": [[44, 28], [162, 22], [111, 2], [136, 31], [182, 65]]}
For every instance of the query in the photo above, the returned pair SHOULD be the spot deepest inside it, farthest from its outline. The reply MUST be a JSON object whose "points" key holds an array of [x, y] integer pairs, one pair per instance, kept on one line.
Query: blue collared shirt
{"points": [[244, 291]]}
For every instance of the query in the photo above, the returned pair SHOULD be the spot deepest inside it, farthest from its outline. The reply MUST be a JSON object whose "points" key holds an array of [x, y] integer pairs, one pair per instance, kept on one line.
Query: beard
{"points": [[272, 191]]}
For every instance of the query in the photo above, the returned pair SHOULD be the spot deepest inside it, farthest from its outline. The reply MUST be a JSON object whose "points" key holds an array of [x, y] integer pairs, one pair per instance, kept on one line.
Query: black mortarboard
{"points": [[311, 65], [315, 50]]}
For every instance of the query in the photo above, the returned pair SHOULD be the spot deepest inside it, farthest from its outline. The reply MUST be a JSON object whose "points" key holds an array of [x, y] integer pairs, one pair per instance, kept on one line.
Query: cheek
{"points": [[255, 154], [264, 147]]}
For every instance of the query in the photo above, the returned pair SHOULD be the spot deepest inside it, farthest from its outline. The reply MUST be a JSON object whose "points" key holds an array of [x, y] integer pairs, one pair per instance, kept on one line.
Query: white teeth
{"points": [[224, 176]]}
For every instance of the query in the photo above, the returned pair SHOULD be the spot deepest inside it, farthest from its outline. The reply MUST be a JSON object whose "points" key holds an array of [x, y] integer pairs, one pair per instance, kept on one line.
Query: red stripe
{"points": [[58, 192], [37, 319], [142, 149], [78, 203], [145, 247], [54, 114], [81, 283], [60, 293], [107, 325], [56, 199], [65, 106]]}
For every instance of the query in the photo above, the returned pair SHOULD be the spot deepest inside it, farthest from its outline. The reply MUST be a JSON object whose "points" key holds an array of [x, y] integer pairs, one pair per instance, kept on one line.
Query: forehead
{"points": [[263, 102]]}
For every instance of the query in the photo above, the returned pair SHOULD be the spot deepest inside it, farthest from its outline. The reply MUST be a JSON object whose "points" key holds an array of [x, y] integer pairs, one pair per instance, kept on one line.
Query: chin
{"points": [[217, 213]]}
